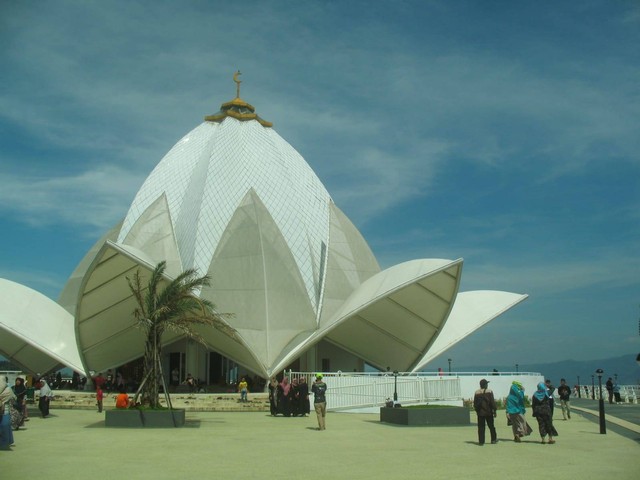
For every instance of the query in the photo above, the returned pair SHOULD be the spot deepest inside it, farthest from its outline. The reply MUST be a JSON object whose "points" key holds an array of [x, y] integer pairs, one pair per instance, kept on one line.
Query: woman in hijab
{"points": [[516, 411], [284, 400], [273, 396], [295, 397], [7, 397], [303, 392], [541, 405], [45, 398], [19, 406]]}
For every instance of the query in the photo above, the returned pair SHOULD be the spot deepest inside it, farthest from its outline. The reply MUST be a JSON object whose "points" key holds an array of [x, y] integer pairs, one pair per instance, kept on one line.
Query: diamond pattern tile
{"points": [[209, 171]]}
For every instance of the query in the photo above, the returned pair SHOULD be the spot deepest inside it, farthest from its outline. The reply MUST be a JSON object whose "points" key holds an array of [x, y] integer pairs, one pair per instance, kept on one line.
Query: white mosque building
{"points": [[235, 201]]}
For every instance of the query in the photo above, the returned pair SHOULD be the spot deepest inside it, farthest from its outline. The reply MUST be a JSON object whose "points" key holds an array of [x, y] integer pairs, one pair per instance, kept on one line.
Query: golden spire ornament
{"points": [[238, 82], [237, 108]]}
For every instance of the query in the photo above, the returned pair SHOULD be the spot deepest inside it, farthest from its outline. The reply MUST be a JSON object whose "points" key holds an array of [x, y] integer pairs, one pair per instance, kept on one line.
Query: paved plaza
{"points": [[75, 444]]}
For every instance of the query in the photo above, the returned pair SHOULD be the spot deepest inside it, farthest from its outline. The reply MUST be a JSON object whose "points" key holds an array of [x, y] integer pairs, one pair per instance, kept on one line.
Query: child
{"points": [[243, 387], [99, 397], [122, 400]]}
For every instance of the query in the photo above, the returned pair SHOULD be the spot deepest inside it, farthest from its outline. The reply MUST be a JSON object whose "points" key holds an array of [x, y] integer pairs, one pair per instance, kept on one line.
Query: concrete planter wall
{"points": [[132, 417], [426, 416]]}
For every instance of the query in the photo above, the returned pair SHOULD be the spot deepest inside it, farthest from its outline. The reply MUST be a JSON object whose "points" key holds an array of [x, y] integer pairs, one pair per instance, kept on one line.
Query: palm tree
{"points": [[173, 307]]}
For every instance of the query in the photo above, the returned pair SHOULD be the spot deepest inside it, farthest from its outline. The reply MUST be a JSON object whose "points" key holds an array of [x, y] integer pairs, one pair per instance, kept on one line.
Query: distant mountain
{"points": [[625, 366]]}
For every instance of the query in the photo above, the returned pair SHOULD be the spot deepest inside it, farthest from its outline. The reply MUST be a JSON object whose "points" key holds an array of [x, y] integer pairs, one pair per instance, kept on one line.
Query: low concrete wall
{"points": [[199, 402], [426, 416]]}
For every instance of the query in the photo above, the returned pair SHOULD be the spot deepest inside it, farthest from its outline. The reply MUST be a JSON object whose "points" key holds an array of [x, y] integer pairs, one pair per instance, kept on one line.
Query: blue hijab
{"points": [[541, 393]]}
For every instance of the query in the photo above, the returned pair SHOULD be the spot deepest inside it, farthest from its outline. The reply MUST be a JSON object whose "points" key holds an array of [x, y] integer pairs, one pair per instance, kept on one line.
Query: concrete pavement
{"points": [[74, 443]]}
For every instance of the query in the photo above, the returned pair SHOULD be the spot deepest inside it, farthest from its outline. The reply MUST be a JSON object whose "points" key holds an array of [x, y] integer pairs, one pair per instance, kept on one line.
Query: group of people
{"points": [[110, 383], [291, 398], [105, 385], [613, 390], [542, 404], [13, 406], [122, 399]]}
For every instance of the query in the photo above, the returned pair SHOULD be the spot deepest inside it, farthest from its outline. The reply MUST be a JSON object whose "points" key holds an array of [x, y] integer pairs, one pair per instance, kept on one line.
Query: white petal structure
{"points": [[35, 332], [234, 200], [471, 311]]}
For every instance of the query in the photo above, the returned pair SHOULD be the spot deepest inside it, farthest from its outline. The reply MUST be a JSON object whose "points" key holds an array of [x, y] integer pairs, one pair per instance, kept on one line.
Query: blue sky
{"points": [[502, 132]]}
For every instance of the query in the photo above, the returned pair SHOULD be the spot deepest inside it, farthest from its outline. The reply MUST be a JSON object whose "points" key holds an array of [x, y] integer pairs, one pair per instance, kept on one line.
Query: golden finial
{"points": [[238, 82], [237, 108]]}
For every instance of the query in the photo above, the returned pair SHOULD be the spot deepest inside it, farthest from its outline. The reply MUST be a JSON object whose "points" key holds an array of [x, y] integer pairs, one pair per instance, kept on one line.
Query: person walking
{"points": [[19, 406], [541, 406], [550, 390], [516, 411], [45, 398], [616, 392], [609, 387], [319, 389], [485, 406], [564, 392]]}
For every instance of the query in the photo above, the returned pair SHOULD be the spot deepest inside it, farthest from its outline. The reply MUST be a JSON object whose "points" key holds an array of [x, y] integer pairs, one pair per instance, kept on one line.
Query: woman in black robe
{"points": [[19, 406], [284, 399], [541, 405], [273, 396], [303, 397]]}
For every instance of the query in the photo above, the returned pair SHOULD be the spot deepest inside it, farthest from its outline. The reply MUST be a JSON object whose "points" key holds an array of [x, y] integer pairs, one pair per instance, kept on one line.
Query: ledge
{"points": [[426, 416]]}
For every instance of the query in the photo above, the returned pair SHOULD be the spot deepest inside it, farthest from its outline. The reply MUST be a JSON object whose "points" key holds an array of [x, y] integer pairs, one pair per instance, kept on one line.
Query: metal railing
{"points": [[628, 393], [362, 390]]}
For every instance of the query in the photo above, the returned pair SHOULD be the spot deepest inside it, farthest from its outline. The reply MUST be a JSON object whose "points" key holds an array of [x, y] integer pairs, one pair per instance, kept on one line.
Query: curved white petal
{"points": [[37, 333], [392, 318], [471, 311]]}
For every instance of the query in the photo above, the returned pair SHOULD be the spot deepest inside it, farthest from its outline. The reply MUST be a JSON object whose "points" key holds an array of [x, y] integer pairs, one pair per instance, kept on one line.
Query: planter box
{"points": [[426, 416], [132, 417]]}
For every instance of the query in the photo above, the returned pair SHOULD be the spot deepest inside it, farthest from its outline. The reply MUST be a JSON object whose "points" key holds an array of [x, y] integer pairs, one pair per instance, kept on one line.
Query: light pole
{"points": [[579, 394], [395, 387], [603, 425], [593, 389], [449, 360]]}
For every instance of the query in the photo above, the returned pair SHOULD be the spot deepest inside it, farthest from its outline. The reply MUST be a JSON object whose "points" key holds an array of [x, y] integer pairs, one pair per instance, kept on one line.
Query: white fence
{"points": [[362, 390], [628, 393]]}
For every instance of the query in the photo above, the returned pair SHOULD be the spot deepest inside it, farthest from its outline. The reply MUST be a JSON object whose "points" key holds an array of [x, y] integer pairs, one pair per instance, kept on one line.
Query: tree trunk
{"points": [[152, 355]]}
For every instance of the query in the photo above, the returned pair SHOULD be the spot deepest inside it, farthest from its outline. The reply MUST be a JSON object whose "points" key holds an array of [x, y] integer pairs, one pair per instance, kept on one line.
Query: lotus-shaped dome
{"points": [[235, 201]]}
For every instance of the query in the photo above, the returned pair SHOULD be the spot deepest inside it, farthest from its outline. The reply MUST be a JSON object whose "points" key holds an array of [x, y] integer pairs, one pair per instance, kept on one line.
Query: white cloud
{"points": [[95, 198]]}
